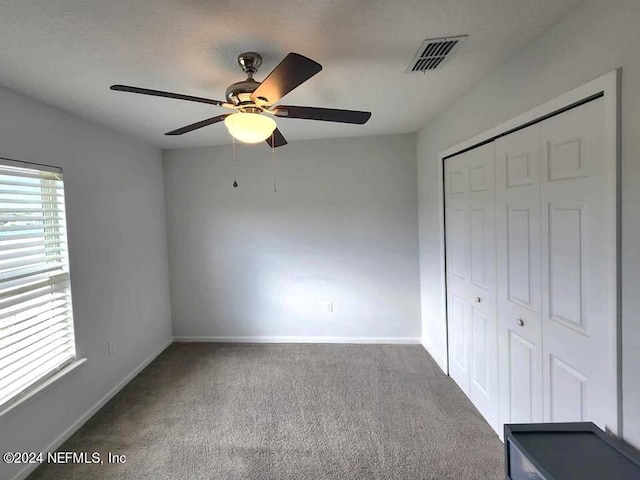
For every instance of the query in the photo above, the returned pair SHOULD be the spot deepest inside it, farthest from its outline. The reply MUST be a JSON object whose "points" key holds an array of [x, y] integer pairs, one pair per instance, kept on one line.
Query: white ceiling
{"points": [[67, 53]]}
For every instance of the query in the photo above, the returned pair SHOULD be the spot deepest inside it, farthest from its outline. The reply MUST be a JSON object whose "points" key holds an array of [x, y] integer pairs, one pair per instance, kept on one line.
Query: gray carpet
{"points": [[280, 412]]}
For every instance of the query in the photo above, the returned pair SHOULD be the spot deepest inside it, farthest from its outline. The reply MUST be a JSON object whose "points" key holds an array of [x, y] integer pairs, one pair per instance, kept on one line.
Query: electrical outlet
{"points": [[112, 347], [329, 307]]}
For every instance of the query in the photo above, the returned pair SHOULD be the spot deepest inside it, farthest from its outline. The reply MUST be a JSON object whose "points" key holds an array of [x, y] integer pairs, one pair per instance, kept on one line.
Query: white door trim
{"points": [[609, 85]]}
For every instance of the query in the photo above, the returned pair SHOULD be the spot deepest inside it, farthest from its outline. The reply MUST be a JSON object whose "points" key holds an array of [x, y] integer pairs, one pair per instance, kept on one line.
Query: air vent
{"points": [[433, 53]]}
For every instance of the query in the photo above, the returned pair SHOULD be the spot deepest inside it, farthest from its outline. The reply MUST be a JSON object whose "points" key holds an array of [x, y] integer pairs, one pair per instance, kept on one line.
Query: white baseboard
{"points": [[291, 339], [441, 363], [25, 472]]}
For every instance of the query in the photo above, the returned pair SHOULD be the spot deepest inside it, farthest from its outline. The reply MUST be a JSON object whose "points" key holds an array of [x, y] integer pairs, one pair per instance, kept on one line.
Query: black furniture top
{"points": [[567, 451]]}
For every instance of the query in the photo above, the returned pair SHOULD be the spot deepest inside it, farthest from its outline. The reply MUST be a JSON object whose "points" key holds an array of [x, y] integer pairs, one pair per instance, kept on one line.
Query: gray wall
{"points": [[118, 260], [342, 227], [595, 39]]}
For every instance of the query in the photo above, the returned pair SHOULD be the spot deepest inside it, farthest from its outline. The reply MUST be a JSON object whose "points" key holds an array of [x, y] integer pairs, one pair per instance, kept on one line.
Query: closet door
{"points": [[458, 267], [471, 275], [483, 381], [518, 262], [576, 252]]}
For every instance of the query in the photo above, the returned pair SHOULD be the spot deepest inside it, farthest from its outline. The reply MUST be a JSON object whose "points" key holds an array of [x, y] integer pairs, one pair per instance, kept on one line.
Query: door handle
{"points": [[520, 322], [478, 299]]}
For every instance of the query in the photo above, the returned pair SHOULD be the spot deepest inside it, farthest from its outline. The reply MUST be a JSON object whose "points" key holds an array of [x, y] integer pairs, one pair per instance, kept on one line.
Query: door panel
{"points": [[577, 299], [519, 262], [457, 263], [480, 176], [459, 335], [481, 341], [459, 252], [471, 304], [483, 389], [520, 168], [521, 366], [568, 393], [518, 276], [458, 180], [567, 264], [566, 157], [478, 247]]}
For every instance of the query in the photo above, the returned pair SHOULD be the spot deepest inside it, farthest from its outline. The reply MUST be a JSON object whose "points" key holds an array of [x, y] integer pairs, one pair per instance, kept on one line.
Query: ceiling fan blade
{"points": [[291, 72], [323, 114], [278, 139], [159, 93], [197, 125]]}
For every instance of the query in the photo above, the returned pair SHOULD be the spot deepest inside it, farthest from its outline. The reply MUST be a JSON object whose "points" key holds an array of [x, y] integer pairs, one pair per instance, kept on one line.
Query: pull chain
{"points": [[235, 163], [273, 159]]}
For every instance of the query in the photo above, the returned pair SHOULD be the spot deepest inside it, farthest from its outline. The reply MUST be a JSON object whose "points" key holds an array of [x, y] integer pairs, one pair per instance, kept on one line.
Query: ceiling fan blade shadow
{"points": [[278, 139], [290, 73], [197, 125], [160, 93], [322, 114]]}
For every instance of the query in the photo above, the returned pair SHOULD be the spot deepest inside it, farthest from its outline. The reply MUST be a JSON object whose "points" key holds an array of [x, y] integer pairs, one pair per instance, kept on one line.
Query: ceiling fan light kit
{"points": [[250, 127]]}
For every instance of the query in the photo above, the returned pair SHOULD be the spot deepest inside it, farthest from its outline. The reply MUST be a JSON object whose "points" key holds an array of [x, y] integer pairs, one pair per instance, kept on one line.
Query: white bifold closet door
{"points": [[530, 225], [471, 277], [554, 299]]}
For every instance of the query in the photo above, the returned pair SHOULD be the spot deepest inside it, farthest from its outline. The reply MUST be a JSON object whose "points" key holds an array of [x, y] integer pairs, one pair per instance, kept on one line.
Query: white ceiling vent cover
{"points": [[434, 52]]}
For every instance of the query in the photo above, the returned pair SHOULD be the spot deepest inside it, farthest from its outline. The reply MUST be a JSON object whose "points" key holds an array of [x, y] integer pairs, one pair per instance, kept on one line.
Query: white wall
{"points": [[598, 37], [342, 227], [118, 260]]}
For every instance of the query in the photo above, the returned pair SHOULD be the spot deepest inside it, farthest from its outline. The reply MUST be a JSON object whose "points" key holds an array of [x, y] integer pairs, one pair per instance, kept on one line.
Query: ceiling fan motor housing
{"points": [[239, 93]]}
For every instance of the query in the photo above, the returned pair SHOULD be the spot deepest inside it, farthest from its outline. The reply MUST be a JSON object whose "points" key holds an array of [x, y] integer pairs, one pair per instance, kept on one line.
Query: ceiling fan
{"points": [[252, 99]]}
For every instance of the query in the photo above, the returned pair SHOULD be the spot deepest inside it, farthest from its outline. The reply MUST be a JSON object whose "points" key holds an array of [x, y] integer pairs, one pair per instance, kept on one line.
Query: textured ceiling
{"points": [[67, 53]]}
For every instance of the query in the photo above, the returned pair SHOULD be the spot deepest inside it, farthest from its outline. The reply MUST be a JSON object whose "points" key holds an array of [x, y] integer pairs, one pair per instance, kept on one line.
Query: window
{"points": [[36, 322]]}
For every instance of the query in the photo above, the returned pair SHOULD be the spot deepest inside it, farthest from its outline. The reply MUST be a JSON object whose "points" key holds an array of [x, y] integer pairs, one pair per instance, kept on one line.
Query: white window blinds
{"points": [[36, 323]]}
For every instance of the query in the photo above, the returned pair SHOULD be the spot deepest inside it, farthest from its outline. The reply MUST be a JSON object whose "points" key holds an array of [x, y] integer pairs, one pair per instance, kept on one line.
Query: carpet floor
{"points": [[285, 412]]}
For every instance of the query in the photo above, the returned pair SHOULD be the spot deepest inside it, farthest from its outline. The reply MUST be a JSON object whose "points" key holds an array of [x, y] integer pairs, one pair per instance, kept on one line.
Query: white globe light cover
{"points": [[250, 127]]}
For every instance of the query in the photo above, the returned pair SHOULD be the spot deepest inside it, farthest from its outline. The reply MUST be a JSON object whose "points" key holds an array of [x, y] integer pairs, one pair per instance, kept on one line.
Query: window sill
{"points": [[48, 383]]}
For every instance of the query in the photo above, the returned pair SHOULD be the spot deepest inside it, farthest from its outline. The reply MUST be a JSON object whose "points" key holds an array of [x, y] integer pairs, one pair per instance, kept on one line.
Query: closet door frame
{"points": [[608, 87]]}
